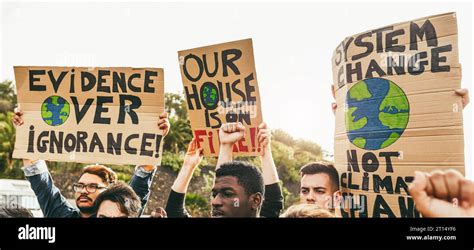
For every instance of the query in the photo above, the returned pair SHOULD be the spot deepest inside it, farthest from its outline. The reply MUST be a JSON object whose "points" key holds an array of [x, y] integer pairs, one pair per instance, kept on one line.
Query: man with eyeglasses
{"points": [[94, 180]]}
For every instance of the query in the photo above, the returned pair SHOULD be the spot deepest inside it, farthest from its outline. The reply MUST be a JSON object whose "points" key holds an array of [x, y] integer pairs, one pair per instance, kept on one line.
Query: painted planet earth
{"points": [[376, 114]]}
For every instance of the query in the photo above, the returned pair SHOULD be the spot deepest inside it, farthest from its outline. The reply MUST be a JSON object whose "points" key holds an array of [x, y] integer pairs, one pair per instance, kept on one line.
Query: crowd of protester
{"points": [[239, 189]]}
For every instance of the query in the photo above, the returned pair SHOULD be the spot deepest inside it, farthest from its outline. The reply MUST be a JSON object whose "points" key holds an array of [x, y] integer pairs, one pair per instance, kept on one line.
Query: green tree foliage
{"points": [[197, 205], [8, 100], [7, 96], [308, 146], [283, 137], [180, 133], [7, 141], [290, 155]]}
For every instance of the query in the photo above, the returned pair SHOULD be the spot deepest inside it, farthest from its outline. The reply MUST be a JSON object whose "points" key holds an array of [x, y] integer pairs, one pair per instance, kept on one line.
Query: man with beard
{"points": [[94, 179]]}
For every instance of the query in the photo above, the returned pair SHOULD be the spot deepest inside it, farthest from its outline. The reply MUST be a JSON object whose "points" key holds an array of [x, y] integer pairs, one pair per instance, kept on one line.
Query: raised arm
{"points": [[269, 171], [143, 176], [229, 134], [50, 199], [273, 201], [176, 200]]}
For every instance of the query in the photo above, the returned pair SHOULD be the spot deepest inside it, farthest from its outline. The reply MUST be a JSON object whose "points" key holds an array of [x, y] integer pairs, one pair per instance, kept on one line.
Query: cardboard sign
{"points": [[397, 112], [220, 83], [90, 115]]}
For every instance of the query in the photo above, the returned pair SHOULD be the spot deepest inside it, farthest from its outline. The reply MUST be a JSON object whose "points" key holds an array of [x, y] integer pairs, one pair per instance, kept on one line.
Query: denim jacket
{"points": [[54, 204]]}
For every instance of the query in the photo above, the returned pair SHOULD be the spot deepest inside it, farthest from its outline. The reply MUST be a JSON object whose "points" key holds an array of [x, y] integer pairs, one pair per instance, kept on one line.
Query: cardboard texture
{"points": [[220, 84], [90, 115], [396, 112]]}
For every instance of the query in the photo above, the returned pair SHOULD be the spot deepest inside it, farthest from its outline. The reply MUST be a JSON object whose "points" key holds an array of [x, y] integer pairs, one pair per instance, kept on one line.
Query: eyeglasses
{"points": [[90, 188]]}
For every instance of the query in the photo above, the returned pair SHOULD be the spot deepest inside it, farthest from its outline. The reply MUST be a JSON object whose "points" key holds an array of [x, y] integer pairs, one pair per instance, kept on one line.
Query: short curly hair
{"points": [[248, 176], [107, 175]]}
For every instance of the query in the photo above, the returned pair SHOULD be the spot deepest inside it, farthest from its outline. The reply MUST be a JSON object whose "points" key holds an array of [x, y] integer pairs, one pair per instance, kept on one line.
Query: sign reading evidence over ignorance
{"points": [[90, 115]]}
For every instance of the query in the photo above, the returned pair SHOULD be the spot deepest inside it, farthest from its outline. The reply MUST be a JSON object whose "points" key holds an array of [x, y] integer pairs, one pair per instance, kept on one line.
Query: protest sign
{"points": [[220, 83], [90, 115], [396, 112]]}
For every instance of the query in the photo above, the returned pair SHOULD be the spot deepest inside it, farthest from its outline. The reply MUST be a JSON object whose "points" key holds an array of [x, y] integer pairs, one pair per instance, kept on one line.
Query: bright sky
{"points": [[293, 45]]}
